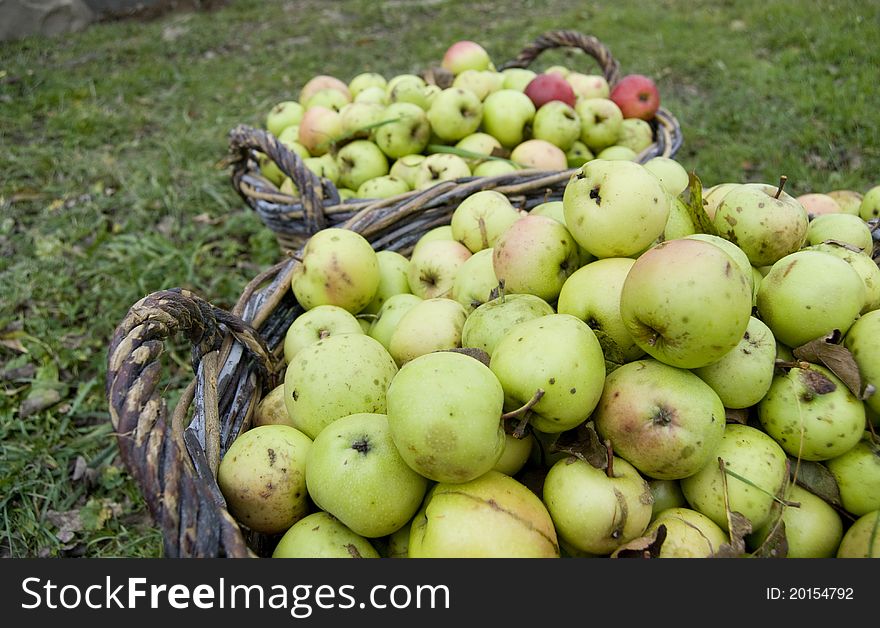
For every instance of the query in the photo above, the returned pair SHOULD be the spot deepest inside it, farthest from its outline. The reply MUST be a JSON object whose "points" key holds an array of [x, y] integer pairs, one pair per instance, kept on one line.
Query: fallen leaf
{"points": [[647, 546], [38, 399], [835, 357], [694, 203], [474, 352], [583, 443], [816, 478]]}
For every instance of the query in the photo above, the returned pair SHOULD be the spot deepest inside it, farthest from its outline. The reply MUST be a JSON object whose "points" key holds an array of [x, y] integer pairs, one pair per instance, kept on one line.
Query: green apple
{"points": [[713, 195], [405, 168], [439, 167], [443, 232], [861, 341], [558, 123], [489, 322], [329, 98], [507, 114], [689, 534], [354, 472], [578, 154], [710, 311], [321, 535], [636, 134], [480, 82], [517, 78], [665, 421], [338, 267], [386, 186], [763, 221], [869, 208], [433, 268], [408, 88], [849, 200], [743, 375], [667, 494], [756, 471], [807, 294], [271, 410], [559, 355], [481, 218], [672, 174], [588, 85], [738, 255], [535, 254], [813, 529], [316, 324], [601, 121], [374, 94], [444, 411], [593, 511], [455, 113], [811, 413], [283, 115], [841, 228], [320, 82], [405, 131], [398, 542], [475, 280], [389, 314], [857, 472], [491, 516], [358, 161], [393, 279], [556, 211], [335, 377], [862, 538], [516, 453], [592, 294], [324, 166], [431, 325], [494, 167], [539, 154], [365, 80], [864, 265], [617, 153], [680, 224], [615, 208], [478, 143], [262, 478]]}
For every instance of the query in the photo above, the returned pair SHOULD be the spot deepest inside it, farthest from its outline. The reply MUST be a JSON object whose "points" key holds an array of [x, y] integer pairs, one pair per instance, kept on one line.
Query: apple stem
{"points": [[323, 334], [782, 180], [522, 412], [609, 469]]}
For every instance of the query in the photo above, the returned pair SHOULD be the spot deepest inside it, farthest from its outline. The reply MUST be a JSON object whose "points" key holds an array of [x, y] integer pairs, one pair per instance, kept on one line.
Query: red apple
{"points": [[549, 86], [637, 96]]}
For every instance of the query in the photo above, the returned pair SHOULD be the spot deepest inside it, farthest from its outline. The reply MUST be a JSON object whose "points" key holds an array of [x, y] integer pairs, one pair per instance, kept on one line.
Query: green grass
{"points": [[110, 148]]}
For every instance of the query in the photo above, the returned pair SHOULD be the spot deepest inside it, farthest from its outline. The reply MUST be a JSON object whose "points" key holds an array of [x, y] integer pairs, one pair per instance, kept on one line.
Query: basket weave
{"points": [[294, 218], [237, 356]]}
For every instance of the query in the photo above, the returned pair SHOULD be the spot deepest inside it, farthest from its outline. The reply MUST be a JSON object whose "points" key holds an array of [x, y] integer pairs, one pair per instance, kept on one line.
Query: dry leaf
{"points": [[647, 546], [474, 352], [816, 478], [736, 415], [583, 443], [835, 357]]}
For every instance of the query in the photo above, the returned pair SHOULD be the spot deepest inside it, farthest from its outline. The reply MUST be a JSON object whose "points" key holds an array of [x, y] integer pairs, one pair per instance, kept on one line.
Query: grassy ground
{"points": [[111, 188]]}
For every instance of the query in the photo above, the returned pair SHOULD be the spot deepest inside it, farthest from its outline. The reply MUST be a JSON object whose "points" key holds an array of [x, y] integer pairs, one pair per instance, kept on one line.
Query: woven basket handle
{"points": [[180, 490], [313, 190], [569, 39]]}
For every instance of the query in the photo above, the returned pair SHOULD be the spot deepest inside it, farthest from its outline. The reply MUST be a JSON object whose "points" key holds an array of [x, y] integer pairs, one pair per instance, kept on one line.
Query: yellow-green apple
{"points": [[556, 211], [811, 413], [578, 154], [262, 478], [588, 85], [689, 534], [548, 87], [636, 134], [354, 472], [489, 322], [680, 224], [289, 136], [743, 375], [316, 324], [539, 154], [559, 355], [386, 186], [857, 472], [406, 167], [592, 294], [864, 265], [444, 411], [617, 153], [365, 80], [861, 341], [862, 538], [517, 78], [481, 218], [324, 166], [710, 311], [393, 279], [359, 161], [321, 535], [813, 529], [507, 116], [736, 253], [443, 232], [406, 130], [667, 494], [271, 409], [329, 98], [663, 420], [597, 510], [818, 204], [558, 123], [320, 82], [431, 325], [334, 377], [319, 129], [672, 174], [392, 310], [398, 542], [516, 453], [808, 294], [560, 69], [438, 167], [480, 82], [841, 228], [849, 200], [492, 516], [338, 267], [478, 143], [535, 254], [373, 94], [755, 471], [764, 221], [408, 88], [283, 115], [713, 195], [615, 208], [494, 167], [601, 122], [637, 96], [432, 269], [475, 280], [455, 113], [465, 55]]}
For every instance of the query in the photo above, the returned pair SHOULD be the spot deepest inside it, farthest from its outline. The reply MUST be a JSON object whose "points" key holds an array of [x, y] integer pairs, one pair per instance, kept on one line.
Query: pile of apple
{"points": [[377, 137], [641, 368]]}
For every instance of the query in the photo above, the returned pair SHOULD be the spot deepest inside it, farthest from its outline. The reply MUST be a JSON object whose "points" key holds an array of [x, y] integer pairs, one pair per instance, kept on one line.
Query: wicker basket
{"points": [[237, 356], [294, 218]]}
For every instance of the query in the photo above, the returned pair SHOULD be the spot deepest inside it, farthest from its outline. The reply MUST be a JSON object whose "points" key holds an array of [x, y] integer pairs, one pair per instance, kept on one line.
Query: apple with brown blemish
{"points": [[434, 266]]}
